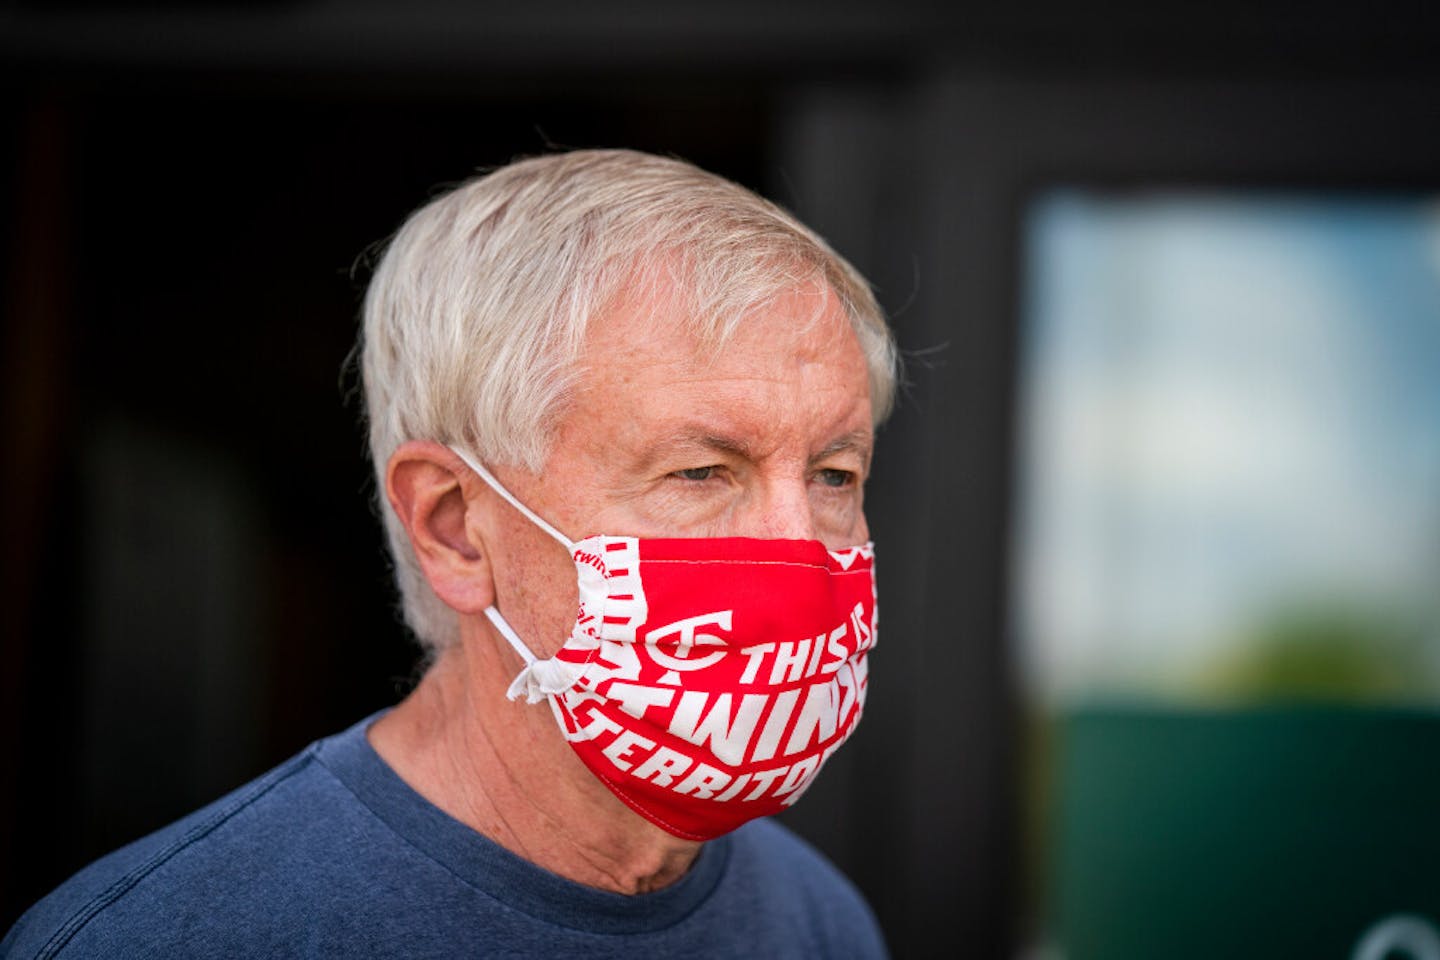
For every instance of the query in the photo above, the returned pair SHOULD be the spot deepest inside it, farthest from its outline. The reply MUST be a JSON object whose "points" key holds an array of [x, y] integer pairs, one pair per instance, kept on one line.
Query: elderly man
{"points": [[621, 412]]}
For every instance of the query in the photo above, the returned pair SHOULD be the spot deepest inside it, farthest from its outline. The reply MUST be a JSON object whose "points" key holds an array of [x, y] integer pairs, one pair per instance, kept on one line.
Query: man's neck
{"points": [[504, 769]]}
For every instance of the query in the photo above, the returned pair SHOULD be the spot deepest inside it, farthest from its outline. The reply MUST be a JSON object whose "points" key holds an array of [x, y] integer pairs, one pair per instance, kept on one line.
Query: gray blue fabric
{"points": [[333, 855]]}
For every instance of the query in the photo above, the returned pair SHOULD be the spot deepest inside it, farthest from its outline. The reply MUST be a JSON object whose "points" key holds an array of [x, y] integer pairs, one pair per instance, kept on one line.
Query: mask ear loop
{"points": [[495, 485], [540, 677], [540, 680], [509, 634]]}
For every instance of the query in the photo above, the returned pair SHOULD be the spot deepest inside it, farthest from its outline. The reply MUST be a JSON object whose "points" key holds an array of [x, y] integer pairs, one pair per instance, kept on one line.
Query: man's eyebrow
{"points": [[731, 445], [856, 441], [683, 440]]}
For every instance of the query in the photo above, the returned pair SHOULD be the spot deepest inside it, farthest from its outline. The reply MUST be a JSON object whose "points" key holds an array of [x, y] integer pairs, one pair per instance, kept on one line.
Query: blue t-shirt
{"points": [[333, 855]]}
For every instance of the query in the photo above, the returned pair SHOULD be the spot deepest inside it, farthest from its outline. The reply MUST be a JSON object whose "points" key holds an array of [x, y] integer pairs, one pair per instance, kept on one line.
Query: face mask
{"points": [[705, 681]]}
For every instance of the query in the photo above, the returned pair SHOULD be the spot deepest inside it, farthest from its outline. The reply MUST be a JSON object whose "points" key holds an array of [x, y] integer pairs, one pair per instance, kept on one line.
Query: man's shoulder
{"points": [[140, 897], [315, 859], [784, 871], [769, 845]]}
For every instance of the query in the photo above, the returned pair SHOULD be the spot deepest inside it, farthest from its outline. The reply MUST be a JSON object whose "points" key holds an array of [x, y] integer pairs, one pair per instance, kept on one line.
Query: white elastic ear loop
{"points": [[495, 485], [540, 677], [509, 634]]}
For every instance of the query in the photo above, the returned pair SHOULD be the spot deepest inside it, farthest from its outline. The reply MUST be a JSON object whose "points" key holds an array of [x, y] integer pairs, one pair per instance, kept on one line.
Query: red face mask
{"points": [[705, 681]]}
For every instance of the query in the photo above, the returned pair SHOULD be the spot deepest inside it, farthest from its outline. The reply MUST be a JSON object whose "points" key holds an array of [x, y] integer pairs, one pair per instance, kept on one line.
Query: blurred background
{"points": [[1158, 515]]}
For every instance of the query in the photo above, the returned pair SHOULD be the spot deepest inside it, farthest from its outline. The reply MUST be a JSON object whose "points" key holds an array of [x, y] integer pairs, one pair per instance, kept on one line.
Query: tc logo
{"points": [[686, 639]]}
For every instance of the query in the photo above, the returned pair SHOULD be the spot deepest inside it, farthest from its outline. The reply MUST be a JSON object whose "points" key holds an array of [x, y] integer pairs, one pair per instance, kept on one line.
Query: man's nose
{"points": [[785, 512]]}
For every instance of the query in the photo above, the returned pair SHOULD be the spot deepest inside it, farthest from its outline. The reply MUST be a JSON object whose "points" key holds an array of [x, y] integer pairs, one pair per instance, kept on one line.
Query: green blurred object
{"points": [[1276, 832], [1324, 651]]}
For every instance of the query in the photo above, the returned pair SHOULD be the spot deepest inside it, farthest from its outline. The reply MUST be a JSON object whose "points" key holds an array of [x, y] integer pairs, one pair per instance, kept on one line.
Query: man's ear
{"points": [[426, 484]]}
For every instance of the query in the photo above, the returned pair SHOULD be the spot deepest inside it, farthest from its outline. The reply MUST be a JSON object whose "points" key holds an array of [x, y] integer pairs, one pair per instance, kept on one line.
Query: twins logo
{"points": [[687, 638]]}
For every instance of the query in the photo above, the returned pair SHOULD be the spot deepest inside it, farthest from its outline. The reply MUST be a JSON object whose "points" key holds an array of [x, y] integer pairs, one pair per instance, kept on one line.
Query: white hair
{"points": [[476, 315]]}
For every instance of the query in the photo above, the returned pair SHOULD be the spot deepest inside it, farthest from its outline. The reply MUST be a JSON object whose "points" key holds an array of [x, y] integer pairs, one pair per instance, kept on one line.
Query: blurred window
{"points": [[1227, 594], [1230, 448]]}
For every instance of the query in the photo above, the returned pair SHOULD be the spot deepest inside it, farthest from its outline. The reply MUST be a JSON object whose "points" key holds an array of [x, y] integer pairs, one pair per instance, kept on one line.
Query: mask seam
{"points": [[764, 563], [590, 660], [635, 805]]}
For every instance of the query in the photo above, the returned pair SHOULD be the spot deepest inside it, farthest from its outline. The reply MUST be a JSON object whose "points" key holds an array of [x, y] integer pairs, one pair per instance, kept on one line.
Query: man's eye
{"points": [[696, 473], [835, 478]]}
